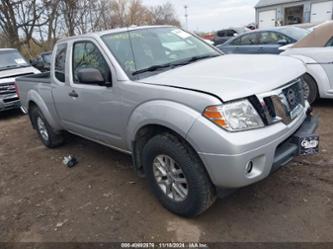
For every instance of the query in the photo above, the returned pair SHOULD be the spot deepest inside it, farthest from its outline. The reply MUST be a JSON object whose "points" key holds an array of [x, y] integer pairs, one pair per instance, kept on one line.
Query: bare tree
{"points": [[31, 23], [164, 14], [138, 14], [119, 12], [53, 13], [21, 16], [8, 22]]}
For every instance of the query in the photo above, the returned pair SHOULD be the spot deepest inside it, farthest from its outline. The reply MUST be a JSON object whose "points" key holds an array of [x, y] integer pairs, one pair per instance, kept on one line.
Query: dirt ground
{"points": [[102, 199]]}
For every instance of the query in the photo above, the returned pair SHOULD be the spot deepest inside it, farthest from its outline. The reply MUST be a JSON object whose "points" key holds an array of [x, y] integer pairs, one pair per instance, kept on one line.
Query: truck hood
{"points": [[11, 74], [232, 76]]}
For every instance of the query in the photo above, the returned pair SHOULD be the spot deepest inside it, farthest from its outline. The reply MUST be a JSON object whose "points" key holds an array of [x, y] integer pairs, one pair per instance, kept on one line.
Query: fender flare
{"points": [[174, 116], [315, 70], [33, 96]]}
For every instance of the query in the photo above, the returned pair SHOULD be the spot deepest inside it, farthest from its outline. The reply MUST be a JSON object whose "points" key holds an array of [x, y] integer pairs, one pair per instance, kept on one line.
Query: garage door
{"points": [[321, 11], [267, 19]]}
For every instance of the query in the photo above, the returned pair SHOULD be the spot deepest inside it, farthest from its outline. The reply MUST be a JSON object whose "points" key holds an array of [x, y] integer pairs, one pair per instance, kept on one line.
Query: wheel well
{"points": [[314, 80], [32, 105], [307, 74], [144, 135]]}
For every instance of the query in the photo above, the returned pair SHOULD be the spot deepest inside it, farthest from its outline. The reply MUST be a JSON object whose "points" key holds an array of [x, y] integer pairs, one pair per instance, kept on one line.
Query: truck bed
{"points": [[38, 85]]}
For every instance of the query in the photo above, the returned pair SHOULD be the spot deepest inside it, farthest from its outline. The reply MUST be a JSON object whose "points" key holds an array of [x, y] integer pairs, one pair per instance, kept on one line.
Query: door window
{"points": [[236, 42], [221, 33], [231, 32], [60, 62], [87, 55], [249, 39], [269, 38]]}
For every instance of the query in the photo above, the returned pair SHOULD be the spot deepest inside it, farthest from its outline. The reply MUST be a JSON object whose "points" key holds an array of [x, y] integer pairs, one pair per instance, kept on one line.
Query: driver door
{"points": [[90, 110]]}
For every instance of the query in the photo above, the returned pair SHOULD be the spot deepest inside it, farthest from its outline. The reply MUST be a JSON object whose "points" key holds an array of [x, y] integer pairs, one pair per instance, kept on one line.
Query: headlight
{"points": [[234, 116]]}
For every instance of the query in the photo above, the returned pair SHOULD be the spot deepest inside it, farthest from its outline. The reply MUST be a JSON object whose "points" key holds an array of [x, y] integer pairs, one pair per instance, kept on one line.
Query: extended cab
{"points": [[12, 65], [195, 121]]}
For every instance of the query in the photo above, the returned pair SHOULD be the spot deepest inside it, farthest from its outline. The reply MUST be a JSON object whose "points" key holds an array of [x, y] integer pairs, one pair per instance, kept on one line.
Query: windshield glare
{"points": [[141, 49], [296, 33], [11, 58]]}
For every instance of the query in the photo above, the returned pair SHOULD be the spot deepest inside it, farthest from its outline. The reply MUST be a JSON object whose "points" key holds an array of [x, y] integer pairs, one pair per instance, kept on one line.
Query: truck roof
{"points": [[112, 31]]}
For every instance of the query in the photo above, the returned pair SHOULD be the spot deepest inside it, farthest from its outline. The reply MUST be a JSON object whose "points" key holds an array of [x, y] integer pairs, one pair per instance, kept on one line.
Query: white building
{"points": [[270, 13]]}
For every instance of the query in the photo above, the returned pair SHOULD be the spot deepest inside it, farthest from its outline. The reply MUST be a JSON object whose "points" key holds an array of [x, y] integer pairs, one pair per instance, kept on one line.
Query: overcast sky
{"points": [[208, 15]]}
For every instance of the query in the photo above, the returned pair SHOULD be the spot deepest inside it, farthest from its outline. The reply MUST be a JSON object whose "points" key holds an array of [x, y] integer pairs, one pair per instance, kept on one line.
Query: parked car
{"points": [[266, 41], [226, 34], [187, 116], [42, 62], [316, 51], [12, 65]]}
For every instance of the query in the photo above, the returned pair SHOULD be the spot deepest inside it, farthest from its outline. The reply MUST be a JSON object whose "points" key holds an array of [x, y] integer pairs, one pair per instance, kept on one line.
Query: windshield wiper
{"points": [[152, 68], [173, 64], [196, 58]]}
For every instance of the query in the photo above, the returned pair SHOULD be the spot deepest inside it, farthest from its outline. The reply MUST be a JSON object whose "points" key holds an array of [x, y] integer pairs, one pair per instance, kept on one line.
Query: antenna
{"points": [[186, 16]]}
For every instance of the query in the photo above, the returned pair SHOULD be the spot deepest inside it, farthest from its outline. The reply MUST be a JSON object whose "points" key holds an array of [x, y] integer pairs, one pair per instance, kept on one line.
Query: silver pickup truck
{"points": [[196, 122], [12, 65]]}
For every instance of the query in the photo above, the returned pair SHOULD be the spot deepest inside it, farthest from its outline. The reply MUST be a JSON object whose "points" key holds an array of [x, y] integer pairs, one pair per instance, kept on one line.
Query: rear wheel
{"points": [[310, 88], [47, 135], [177, 176]]}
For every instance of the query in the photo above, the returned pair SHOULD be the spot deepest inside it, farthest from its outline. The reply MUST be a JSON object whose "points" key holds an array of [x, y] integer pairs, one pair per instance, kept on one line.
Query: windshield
{"points": [[156, 49], [296, 33], [47, 58], [11, 59]]}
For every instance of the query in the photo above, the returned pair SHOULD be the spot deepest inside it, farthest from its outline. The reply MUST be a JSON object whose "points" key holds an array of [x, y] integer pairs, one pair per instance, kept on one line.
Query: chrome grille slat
{"points": [[283, 104], [7, 88]]}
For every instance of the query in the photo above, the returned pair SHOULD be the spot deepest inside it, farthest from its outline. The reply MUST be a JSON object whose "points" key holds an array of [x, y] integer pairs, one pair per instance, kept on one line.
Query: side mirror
{"points": [[282, 42], [92, 76]]}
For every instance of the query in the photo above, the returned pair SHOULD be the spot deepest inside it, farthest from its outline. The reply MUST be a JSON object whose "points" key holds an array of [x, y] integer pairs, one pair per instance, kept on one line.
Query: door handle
{"points": [[73, 94]]}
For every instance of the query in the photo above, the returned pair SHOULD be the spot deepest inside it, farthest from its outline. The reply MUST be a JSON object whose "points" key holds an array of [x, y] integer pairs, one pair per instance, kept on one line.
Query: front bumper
{"points": [[8, 102], [268, 149], [287, 150]]}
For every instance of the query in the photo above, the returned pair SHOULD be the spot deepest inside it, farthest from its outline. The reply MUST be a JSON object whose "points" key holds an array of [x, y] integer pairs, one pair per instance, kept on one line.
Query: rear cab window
{"points": [[60, 62]]}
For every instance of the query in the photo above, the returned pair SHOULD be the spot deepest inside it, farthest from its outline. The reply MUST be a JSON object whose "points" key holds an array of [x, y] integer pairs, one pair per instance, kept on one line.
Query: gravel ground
{"points": [[102, 199]]}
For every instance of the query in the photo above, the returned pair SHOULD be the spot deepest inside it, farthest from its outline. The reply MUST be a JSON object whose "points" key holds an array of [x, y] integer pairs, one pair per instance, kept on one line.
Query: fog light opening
{"points": [[249, 167]]}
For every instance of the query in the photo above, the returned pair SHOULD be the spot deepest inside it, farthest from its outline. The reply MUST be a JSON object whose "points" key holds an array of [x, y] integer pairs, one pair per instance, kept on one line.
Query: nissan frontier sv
{"points": [[197, 123]]}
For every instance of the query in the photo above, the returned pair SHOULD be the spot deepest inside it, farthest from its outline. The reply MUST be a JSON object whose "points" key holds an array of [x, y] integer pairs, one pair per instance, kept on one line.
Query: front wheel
{"points": [[177, 176], [310, 88], [47, 135]]}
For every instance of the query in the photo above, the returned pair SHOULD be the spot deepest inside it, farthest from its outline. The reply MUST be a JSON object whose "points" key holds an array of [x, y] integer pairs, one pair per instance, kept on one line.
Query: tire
{"points": [[200, 192], [310, 86], [51, 139]]}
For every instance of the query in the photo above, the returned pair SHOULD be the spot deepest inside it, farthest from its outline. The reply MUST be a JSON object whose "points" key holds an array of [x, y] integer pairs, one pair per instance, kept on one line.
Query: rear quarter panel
{"points": [[41, 95]]}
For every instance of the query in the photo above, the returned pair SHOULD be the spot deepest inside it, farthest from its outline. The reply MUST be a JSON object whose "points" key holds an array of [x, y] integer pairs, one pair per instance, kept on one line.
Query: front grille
{"points": [[7, 88], [283, 104]]}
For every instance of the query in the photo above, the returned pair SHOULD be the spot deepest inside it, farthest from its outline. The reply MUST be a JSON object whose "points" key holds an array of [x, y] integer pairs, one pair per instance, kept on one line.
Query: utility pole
{"points": [[186, 16]]}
